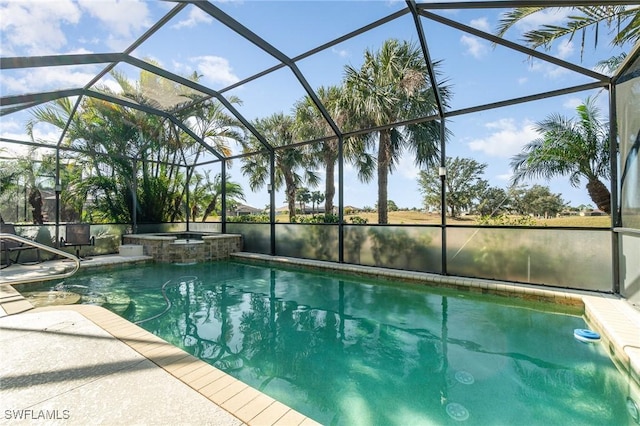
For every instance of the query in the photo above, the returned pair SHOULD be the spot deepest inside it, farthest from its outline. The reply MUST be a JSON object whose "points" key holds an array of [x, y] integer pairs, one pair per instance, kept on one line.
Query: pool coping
{"points": [[242, 401]]}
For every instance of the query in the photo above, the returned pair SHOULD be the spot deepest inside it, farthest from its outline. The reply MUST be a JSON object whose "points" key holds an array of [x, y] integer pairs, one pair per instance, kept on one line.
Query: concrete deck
{"points": [[81, 364], [61, 366]]}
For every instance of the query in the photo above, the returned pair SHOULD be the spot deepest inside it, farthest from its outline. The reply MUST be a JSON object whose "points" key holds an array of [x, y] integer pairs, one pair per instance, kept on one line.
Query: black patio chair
{"points": [[78, 235], [10, 246]]}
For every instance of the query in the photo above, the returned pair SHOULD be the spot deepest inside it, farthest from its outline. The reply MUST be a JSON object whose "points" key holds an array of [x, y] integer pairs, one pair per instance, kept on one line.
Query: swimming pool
{"points": [[350, 351]]}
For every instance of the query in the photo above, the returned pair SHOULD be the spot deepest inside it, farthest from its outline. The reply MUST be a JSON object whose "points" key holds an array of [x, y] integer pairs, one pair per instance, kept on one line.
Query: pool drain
{"points": [[457, 411], [465, 377]]}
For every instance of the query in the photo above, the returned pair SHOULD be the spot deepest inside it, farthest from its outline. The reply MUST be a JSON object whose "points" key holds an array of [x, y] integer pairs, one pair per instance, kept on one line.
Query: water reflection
{"points": [[343, 352]]}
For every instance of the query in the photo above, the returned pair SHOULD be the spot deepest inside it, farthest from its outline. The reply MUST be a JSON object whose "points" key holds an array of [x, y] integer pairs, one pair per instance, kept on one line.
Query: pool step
{"points": [[12, 302], [130, 250]]}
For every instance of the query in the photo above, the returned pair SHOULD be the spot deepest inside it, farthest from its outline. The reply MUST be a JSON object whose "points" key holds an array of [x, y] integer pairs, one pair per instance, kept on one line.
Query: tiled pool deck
{"points": [[83, 364]]}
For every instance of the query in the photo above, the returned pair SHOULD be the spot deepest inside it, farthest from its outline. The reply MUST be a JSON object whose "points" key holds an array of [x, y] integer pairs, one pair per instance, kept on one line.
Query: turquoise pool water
{"points": [[346, 351]]}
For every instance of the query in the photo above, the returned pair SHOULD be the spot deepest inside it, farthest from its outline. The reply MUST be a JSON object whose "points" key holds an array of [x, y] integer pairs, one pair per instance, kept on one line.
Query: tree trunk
{"points": [[383, 175], [291, 195], [330, 186], [600, 195], [35, 199], [210, 208]]}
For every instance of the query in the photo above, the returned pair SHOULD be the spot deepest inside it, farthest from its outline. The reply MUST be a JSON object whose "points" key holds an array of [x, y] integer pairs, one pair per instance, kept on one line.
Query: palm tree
{"points": [[623, 19], [303, 196], [214, 124], [100, 126], [8, 182], [391, 86], [29, 169], [316, 198], [277, 129], [206, 193], [310, 124], [210, 121], [578, 148]]}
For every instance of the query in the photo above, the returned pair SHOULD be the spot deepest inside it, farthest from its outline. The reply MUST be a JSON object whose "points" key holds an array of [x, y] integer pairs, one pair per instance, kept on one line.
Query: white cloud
{"points": [[506, 177], [93, 40], [553, 16], [124, 19], [343, 53], [15, 130], [49, 78], [154, 60], [548, 70], [481, 24], [506, 139], [523, 80], [36, 26], [215, 69], [79, 51], [474, 46], [8, 125], [196, 16], [565, 49], [407, 167], [108, 82], [572, 103]]}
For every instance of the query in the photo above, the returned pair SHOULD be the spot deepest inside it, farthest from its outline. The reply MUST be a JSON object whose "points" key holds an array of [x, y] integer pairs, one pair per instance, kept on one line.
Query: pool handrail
{"points": [[4, 236]]}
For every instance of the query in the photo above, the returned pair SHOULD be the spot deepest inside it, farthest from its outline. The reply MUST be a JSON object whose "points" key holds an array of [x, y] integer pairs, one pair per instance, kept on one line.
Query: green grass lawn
{"points": [[416, 217]]}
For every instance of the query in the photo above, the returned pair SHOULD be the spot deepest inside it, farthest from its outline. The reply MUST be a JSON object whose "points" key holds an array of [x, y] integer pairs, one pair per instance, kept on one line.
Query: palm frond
{"points": [[510, 18], [587, 17]]}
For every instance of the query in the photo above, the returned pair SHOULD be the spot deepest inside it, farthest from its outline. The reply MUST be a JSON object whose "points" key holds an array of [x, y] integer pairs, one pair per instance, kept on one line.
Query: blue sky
{"points": [[478, 72]]}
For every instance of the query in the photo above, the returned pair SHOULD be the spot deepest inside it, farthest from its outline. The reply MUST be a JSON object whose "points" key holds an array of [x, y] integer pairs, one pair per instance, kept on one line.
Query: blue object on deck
{"points": [[585, 335]]}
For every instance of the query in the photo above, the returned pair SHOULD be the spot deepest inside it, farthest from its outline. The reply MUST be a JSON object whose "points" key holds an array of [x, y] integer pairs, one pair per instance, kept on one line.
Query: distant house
{"points": [[307, 209], [244, 210], [282, 210], [594, 212]]}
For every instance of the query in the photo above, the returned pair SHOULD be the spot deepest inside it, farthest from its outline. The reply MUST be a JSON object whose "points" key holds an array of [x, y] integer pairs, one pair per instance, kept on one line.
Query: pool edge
{"points": [[247, 404]]}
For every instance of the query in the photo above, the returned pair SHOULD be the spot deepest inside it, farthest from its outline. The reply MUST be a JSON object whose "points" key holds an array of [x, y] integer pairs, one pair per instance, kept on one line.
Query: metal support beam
{"points": [[58, 60], [39, 98], [530, 98], [340, 199], [515, 46], [427, 57], [154, 111], [616, 219], [200, 88], [252, 37], [58, 183], [223, 203], [134, 198], [190, 170], [443, 197], [508, 4], [166, 18], [272, 201]]}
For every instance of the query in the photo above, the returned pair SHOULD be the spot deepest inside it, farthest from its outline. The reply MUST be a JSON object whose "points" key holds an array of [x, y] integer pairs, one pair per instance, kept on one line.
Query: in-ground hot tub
{"points": [[186, 247]]}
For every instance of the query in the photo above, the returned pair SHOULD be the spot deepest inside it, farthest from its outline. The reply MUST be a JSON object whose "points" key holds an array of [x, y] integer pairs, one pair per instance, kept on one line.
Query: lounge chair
{"points": [[78, 235], [10, 246]]}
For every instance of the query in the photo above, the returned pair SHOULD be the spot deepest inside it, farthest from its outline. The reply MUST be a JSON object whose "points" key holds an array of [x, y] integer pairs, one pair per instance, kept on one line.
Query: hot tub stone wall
{"points": [[168, 249]]}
